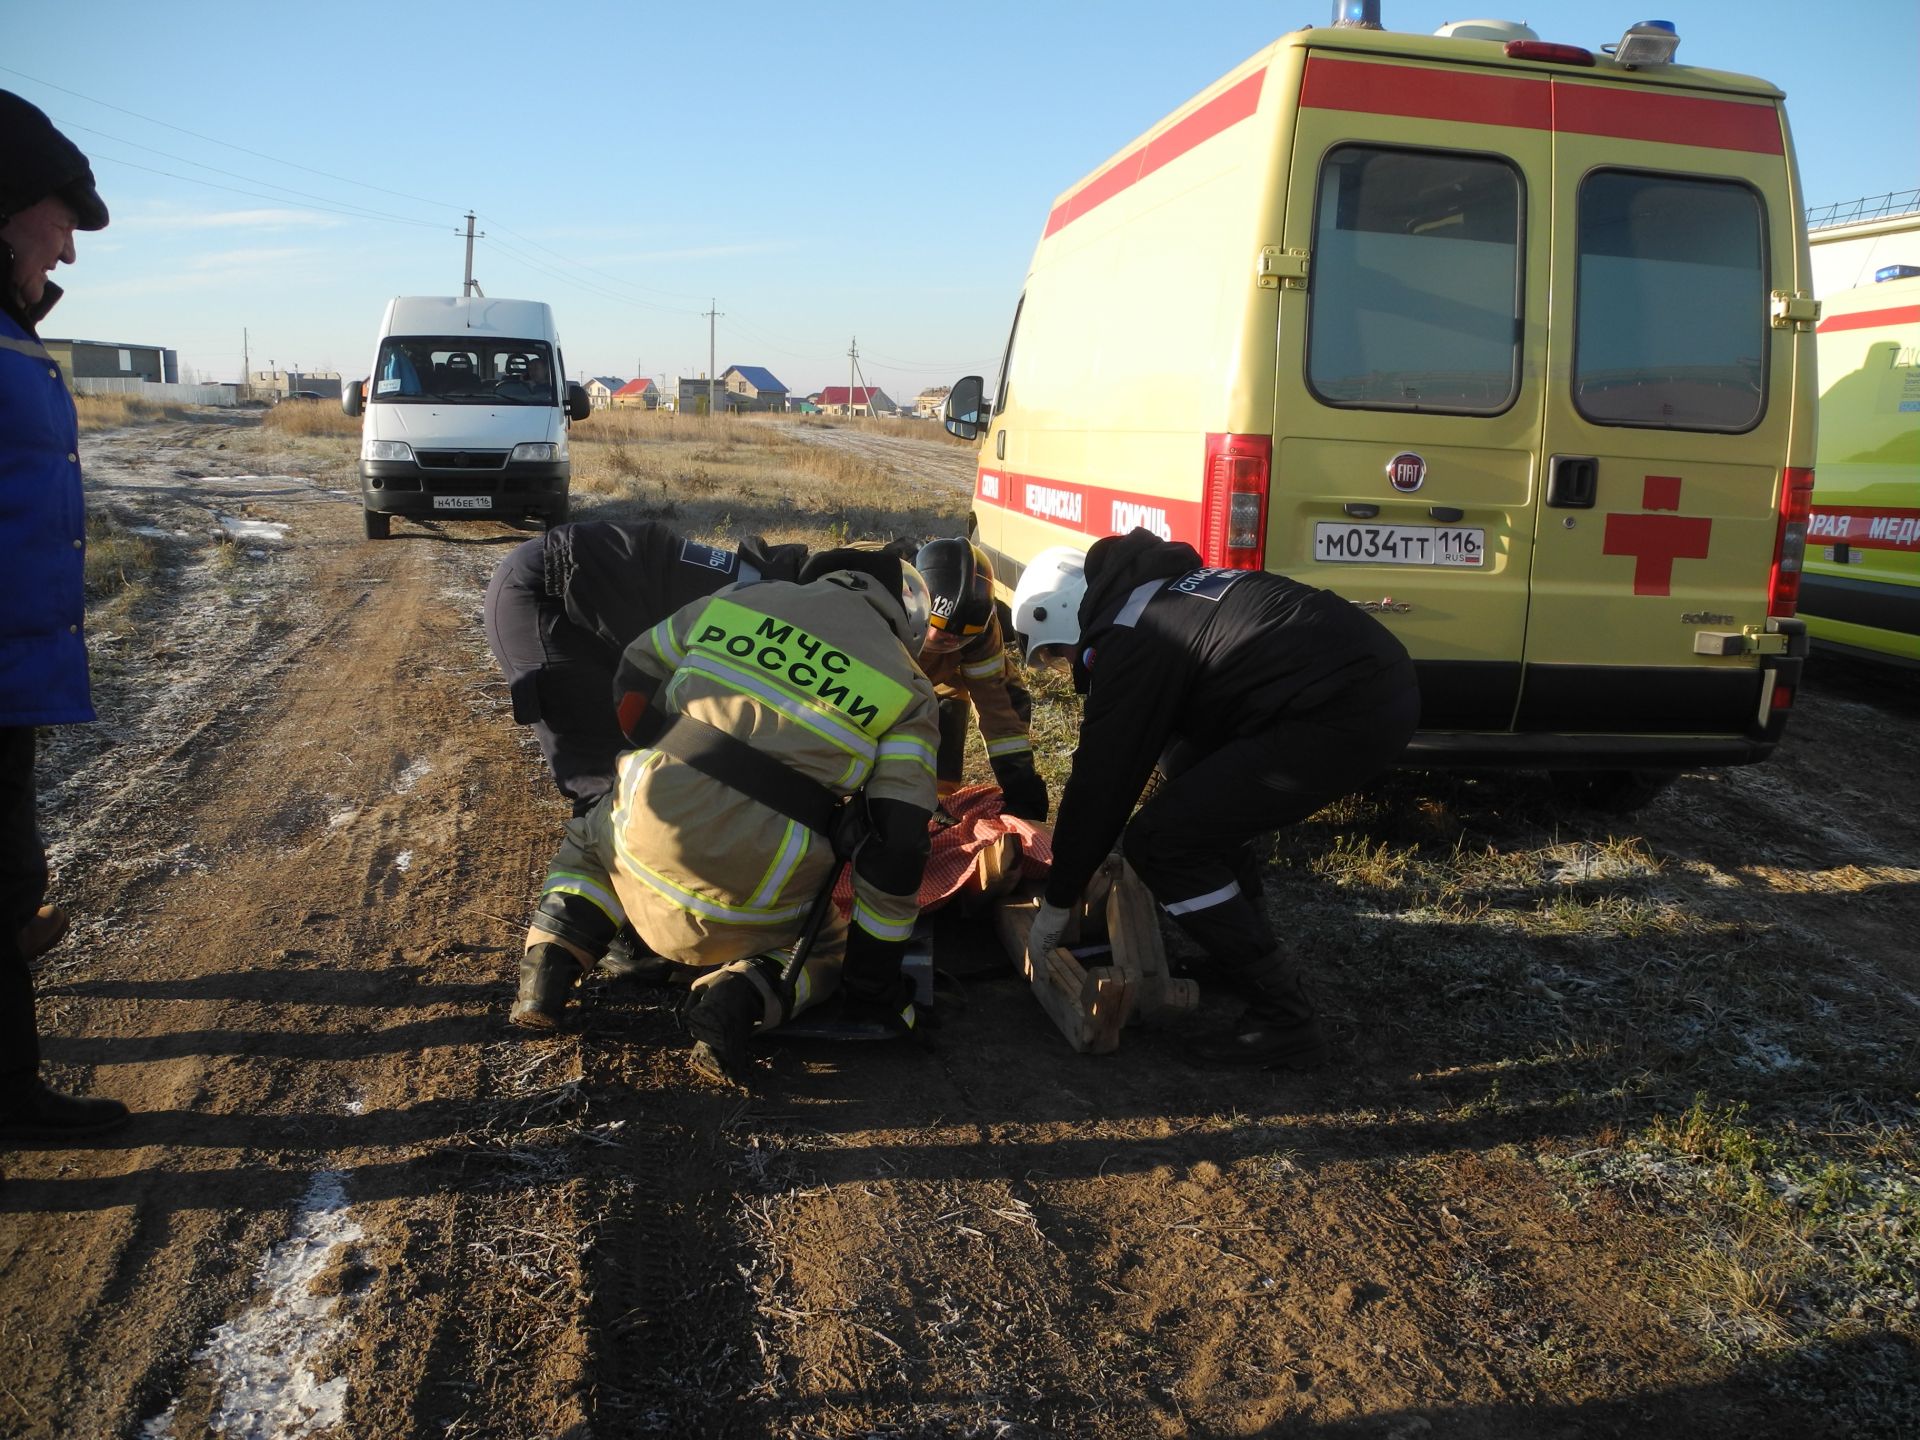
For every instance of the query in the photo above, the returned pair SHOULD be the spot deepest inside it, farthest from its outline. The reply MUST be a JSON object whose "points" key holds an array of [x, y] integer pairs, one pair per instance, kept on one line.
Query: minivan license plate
{"points": [[462, 502], [1399, 544]]}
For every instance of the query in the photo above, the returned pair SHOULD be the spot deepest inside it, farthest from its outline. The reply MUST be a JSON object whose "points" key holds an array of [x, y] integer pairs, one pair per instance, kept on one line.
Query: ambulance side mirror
{"points": [[966, 411], [350, 397], [579, 403]]}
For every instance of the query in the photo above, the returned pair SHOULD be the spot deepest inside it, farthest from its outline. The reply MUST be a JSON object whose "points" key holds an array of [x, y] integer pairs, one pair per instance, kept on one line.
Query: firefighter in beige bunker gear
{"points": [[966, 658], [762, 716]]}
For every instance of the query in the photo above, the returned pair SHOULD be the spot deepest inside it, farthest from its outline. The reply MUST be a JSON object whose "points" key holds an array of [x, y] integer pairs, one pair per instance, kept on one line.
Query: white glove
{"points": [[1049, 928]]}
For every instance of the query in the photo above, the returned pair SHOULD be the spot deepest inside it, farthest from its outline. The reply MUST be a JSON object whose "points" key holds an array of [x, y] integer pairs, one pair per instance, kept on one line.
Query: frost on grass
{"points": [[263, 1361]]}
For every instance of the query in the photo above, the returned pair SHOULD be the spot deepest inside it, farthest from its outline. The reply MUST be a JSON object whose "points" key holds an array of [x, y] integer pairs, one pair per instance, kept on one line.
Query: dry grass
{"points": [[112, 412], [118, 560], [719, 476], [310, 417]]}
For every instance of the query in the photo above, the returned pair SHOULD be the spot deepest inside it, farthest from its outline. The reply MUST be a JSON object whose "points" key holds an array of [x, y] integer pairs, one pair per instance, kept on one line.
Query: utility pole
{"points": [[246, 365], [472, 286], [712, 315], [853, 363]]}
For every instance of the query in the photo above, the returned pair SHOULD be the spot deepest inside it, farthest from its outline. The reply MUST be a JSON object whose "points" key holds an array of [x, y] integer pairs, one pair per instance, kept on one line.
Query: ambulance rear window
{"points": [[1415, 299], [1671, 318]]}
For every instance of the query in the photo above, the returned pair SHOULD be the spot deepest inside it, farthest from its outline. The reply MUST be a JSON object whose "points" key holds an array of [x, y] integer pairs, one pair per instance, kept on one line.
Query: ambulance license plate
{"points": [[1455, 545], [463, 502]]}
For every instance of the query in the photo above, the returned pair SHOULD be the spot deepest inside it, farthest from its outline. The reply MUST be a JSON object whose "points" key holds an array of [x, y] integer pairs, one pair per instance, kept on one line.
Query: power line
{"points": [[277, 199], [581, 264], [235, 175], [213, 140]]}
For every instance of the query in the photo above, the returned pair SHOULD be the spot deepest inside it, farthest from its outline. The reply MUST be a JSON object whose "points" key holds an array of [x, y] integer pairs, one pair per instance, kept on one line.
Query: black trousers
{"points": [[23, 884], [1192, 842], [560, 677]]}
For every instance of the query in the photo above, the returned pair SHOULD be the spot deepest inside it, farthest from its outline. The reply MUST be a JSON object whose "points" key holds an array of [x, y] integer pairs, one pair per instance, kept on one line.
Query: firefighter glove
{"points": [[1049, 929], [633, 691], [1024, 792]]}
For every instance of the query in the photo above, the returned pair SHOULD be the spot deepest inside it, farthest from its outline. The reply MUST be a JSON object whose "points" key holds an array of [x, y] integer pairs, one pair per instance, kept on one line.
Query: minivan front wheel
{"points": [[1611, 792], [379, 524]]}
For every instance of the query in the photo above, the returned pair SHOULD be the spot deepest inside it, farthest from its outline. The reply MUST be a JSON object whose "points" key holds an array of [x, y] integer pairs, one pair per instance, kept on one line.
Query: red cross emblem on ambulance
{"points": [[1657, 539]]}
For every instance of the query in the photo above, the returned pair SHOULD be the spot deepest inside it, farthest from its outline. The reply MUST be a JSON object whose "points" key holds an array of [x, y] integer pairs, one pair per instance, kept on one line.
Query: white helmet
{"points": [[1046, 602], [917, 601]]}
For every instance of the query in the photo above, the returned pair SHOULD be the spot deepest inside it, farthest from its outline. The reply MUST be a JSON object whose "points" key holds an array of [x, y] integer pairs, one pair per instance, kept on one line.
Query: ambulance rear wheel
{"points": [[1611, 792], [379, 524]]}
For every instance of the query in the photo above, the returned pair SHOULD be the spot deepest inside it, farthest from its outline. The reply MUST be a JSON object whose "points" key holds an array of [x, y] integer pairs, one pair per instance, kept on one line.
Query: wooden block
{"points": [[1133, 928]]}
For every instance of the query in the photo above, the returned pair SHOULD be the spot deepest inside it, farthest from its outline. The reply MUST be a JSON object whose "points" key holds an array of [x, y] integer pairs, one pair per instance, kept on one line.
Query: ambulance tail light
{"points": [[1233, 506], [1790, 544]]}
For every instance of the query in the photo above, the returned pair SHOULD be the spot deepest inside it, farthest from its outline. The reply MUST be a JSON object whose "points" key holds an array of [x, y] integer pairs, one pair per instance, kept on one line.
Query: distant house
{"points": [[927, 404], [749, 387], [642, 392], [601, 388], [700, 396], [856, 400]]}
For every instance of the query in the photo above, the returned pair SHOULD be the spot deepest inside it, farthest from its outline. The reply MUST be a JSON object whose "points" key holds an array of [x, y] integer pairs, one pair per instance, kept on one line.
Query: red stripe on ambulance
{"points": [[1460, 97], [1865, 528], [1090, 509], [1226, 109], [1871, 319]]}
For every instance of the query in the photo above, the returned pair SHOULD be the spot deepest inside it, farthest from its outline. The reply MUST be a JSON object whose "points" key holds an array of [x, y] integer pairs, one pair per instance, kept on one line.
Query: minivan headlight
{"points": [[538, 450], [385, 450]]}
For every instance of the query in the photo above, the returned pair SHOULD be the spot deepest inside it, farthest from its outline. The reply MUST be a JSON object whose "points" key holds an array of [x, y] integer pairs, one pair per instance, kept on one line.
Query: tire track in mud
{"points": [[290, 1001]]}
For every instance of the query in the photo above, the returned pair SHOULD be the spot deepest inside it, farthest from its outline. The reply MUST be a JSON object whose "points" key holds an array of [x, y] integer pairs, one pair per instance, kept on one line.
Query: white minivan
{"points": [[466, 413]]}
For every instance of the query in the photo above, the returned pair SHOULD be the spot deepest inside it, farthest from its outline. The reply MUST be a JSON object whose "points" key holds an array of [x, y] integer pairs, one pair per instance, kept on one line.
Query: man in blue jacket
{"points": [[46, 194]]}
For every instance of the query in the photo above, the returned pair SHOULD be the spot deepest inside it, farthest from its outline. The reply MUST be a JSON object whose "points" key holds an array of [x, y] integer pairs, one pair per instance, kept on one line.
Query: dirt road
{"points": [[302, 843]]}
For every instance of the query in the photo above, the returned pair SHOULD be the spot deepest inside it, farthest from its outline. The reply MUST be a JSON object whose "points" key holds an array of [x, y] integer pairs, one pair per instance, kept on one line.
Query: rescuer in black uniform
{"points": [[1262, 700], [562, 609]]}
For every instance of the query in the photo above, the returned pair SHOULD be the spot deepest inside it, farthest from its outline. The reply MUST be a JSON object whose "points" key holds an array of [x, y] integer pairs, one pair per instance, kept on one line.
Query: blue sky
{"points": [[816, 175]]}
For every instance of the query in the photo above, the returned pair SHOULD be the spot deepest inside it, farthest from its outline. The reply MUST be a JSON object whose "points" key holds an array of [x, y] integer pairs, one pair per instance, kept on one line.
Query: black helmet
{"points": [[960, 581]]}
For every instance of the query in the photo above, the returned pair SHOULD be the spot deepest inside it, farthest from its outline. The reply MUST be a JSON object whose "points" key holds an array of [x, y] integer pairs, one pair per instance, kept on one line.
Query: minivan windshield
{"points": [[462, 370]]}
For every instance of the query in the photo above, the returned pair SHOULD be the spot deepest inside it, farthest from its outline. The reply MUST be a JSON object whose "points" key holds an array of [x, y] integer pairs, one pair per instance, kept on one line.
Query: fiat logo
{"points": [[1406, 472]]}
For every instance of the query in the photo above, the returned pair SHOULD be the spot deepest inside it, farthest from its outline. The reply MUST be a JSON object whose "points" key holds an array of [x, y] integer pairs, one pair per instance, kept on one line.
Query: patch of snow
{"points": [[152, 532], [403, 861], [262, 1361], [1767, 1055], [341, 817], [412, 776], [271, 531]]}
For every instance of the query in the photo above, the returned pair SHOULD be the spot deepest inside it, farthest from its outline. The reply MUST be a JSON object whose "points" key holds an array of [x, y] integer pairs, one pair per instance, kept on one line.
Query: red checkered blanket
{"points": [[956, 847]]}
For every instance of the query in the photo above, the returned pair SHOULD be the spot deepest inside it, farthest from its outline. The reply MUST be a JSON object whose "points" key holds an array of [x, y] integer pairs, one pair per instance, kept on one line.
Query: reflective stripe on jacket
{"points": [[812, 675], [978, 671]]}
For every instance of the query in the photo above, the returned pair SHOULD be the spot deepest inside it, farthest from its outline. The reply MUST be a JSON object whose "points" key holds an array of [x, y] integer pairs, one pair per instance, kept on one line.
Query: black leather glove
{"points": [[871, 971], [1024, 792]]}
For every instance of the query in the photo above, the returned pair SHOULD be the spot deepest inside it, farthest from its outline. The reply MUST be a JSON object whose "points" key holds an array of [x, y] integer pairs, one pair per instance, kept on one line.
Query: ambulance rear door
{"points": [[1407, 410], [1669, 404]]}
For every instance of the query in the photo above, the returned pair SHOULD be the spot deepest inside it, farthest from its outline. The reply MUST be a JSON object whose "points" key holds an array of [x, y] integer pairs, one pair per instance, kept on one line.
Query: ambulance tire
{"points": [[379, 524], [1610, 792]]}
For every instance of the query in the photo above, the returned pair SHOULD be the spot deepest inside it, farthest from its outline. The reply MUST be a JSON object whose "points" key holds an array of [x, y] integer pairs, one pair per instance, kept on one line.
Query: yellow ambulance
{"points": [[1861, 592], [1508, 341]]}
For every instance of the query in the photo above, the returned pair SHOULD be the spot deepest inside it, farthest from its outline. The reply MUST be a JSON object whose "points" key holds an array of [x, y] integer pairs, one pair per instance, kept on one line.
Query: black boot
{"points": [[720, 1016], [1278, 1031], [549, 974], [43, 1113], [628, 958]]}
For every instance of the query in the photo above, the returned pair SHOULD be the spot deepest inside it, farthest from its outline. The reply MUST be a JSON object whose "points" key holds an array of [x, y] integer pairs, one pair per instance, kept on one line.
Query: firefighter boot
{"points": [[629, 958], [720, 1015], [1278, 1031], [549, 974]]}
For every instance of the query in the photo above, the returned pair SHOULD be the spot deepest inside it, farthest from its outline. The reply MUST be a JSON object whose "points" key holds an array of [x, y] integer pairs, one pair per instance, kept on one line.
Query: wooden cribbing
{"points": [[1092, 1003]]}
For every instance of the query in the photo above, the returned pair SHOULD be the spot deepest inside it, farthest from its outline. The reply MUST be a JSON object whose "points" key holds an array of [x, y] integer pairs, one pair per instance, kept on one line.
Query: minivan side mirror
{"points": [[966, 411], [350, 397], [579, 403]]}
